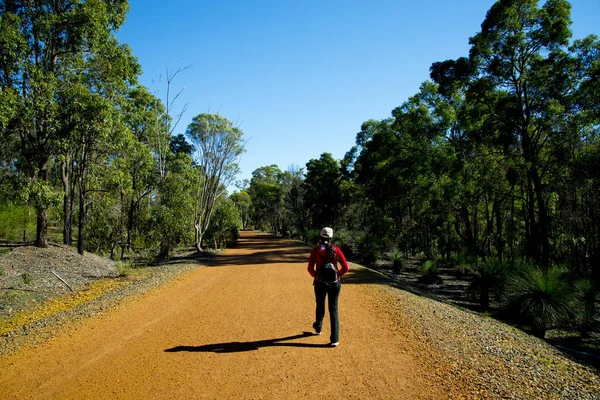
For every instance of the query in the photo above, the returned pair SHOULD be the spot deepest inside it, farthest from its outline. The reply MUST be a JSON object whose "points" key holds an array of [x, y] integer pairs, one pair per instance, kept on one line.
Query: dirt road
{"points": [[238, 329]]}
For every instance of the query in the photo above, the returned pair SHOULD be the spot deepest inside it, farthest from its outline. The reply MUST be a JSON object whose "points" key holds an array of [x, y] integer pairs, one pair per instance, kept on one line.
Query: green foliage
{"points": [[124, 269], [243, 202], [219, 145], [40, 194], [52, 105], [429, 268], [314, 236], [369, 249], [225, 224], [26, 277], [17, 223], [397, 259], [266, 193], [490, 276], [429, 271], [540, 297], [347, 241], [2, 273], [323, 195], [170, 220], [586, 295]]}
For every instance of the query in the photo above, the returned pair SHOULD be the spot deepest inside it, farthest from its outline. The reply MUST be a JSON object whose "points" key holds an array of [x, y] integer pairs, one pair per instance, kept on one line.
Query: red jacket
{"points": [[319, 255]]}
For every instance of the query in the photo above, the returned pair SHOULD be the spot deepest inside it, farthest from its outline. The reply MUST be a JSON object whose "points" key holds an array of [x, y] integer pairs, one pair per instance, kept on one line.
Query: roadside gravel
{"points": [[32, 293], [490, 359]]}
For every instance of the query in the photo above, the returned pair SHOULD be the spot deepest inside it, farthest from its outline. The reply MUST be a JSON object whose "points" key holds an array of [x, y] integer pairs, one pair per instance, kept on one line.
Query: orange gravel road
{"points": [[237, 329]]}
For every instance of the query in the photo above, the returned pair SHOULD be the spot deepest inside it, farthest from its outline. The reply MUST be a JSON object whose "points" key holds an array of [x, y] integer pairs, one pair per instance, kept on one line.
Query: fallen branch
{"points": [[63, 281], [13, 244]]}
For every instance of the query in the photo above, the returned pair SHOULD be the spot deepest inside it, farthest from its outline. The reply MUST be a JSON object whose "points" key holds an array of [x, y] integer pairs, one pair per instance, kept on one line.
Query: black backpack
{"points": [[327, 272]]}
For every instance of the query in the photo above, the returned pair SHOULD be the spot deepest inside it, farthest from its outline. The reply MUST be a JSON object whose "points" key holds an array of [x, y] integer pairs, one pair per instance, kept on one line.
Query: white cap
{"points": [[327, 233]]}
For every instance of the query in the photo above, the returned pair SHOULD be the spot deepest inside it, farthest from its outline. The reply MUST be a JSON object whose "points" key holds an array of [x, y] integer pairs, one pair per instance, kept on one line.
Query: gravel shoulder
{"points": [[45, 292]]}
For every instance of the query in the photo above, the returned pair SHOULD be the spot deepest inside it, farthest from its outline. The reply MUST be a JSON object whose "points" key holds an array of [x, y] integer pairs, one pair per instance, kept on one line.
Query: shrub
{"points": [[397, 260], [313, 236], [430, 273], [1, 272], [17, 222], [462, 270], [462, 262], [369, 249], [540, 297], [124, 269], [346, 241], [490, 276], [26, 278]]}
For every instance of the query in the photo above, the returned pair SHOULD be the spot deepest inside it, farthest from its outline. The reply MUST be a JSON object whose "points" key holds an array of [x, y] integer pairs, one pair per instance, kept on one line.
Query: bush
{"points": [[26, 278], [540, 297], [462, 270], [124, 269], [430, 273], [490, 276], [346, 241], [396, 257], [369, 249], [462, 263], [313, 236], [17, 223]]}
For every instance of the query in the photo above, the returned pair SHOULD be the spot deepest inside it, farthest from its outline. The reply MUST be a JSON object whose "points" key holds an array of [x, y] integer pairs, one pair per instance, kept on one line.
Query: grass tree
{"points": [[490, 277], [540, 297], [397, 261], [430, 273]]}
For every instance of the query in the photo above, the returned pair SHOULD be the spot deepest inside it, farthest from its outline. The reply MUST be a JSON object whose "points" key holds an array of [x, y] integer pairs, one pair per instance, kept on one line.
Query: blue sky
{"points": [[300, 77]]}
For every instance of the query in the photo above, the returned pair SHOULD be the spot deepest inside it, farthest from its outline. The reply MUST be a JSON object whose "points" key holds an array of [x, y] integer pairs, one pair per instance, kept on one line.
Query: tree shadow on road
{"points": [[235, 347]]}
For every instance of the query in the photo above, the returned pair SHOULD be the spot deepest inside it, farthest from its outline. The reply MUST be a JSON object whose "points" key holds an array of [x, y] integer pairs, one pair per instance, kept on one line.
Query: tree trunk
{"points": [[499, 234], [67, 210], [532, 248], [41, 239], [199, 240], [26, 216], [80, 226], [543, 236]]}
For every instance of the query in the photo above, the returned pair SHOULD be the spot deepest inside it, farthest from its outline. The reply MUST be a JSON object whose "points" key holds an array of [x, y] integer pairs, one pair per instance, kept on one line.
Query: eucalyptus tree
{"points": [[44, 45], [322, 192], [219, 145], [136, 158], [225, 224], [172, 213], [243, 202], [520, 58], [296, 211], [267, 192]]}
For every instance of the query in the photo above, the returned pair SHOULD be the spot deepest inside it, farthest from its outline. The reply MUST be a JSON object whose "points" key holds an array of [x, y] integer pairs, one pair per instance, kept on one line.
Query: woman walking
{"points": [[323, 267]]}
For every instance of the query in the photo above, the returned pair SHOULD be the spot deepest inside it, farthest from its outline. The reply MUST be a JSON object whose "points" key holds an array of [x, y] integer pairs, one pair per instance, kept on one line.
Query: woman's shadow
{"points": [[234, 347]]}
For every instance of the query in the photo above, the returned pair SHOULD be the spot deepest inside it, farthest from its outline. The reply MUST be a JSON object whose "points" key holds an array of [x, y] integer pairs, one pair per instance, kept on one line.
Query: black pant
{"points": [[332, 292]]}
